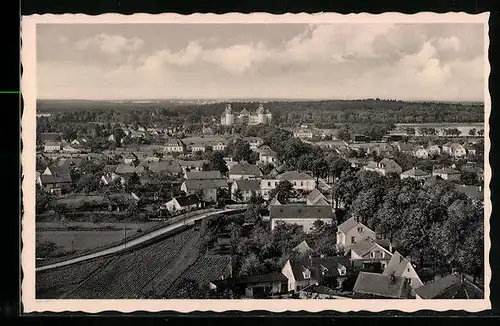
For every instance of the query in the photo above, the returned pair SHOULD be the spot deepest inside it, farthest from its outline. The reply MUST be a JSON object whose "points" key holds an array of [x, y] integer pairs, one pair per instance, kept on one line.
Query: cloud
{"points": [[324, 61], [449, 43], [110, 44]]}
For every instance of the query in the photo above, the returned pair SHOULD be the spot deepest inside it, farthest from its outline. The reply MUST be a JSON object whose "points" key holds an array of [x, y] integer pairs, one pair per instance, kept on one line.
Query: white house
{"points": [[367, 251], [311, 270], [51, 146], [219, 146], [457, 150], [384, 167], [433, 150], [268, 157], [299, 180], [182, 204], [401, 267], [447, 174], [111, 177], [421, 152], [303, 133], [303, 215], [175, 146], [352, 231], [198, 148], [254, 142], [416, 174], [246, 188]]}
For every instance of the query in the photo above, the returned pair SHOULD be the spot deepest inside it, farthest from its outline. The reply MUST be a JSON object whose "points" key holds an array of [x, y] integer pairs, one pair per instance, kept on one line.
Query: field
{"points": [[207, 268], [128, 275], [55, 283], [80, 236]]}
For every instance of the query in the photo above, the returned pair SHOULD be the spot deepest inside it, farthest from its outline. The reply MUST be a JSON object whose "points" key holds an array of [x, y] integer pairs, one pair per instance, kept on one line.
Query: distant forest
{"points": [[324, 114]]}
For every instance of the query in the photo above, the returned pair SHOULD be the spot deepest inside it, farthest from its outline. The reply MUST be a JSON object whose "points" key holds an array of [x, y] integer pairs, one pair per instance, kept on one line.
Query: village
{"points": [[325, 214]]}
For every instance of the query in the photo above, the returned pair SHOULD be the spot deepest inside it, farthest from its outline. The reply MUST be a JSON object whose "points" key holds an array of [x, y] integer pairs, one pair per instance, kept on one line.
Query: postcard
{"points": [[296, 162]]}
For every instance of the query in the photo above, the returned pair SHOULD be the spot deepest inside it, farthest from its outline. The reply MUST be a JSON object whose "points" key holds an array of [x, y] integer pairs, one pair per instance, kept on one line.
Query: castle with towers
{"points": [[261, 116]]}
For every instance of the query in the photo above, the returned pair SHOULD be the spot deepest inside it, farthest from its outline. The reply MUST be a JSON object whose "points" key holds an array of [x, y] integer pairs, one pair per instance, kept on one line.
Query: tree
{"points": [[216, 162], [238, 195], [480, 132], [133, 182], [284, 190], [469, 177], [240, 150], [250, 266], [343, 134], [320, 169], [472, 132]]}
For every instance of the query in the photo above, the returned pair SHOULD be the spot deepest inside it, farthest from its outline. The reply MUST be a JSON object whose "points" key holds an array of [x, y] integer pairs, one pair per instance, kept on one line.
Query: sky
{"points": [[288, 61]]}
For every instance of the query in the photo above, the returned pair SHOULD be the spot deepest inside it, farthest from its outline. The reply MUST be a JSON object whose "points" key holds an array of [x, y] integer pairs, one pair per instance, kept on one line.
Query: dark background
{"points": [[10, 304]]}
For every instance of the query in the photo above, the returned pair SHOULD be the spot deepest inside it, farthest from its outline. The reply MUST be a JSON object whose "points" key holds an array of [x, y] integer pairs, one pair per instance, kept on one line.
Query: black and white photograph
{"points": [[270, 160]]}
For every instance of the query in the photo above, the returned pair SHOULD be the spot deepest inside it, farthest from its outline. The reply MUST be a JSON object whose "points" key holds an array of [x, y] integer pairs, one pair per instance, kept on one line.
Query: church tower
{"points": [[261, 116], [229, 115]]}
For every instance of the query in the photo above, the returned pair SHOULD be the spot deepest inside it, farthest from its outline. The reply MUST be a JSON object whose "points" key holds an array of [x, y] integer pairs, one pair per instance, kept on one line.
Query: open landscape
{"points": [[303, 186]]}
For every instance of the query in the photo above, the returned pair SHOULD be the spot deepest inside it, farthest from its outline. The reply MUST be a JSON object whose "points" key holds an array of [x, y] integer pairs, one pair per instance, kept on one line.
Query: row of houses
{"points": [[321, 277]]}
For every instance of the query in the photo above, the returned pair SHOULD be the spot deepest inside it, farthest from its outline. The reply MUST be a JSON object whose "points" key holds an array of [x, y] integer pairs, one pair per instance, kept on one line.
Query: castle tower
{"points": [[261, 116], [229, 116]]}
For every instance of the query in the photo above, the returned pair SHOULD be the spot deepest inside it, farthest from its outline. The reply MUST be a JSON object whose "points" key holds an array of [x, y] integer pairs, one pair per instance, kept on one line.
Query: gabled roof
{"points": [[450, 287], [389, 163], [349, 224], [315, 195], [244, 184], [317, 266], [396, 265], [50, 136], [415, 173], [454, 146], [275, 201], [294, 175], [320, 202], [302, 247], [245, 169], [187, 200], [203, 175], [300, 211], [53, 143], [382, 286], [205, 184], [365, 246]]}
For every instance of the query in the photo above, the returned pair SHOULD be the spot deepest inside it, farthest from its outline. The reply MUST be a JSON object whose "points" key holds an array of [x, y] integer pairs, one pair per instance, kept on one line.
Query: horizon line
{"points": [[278, 99]]}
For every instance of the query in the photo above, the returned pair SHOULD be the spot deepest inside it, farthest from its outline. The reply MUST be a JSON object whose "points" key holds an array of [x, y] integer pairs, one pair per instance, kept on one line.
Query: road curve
{"points": [[134, 242]]}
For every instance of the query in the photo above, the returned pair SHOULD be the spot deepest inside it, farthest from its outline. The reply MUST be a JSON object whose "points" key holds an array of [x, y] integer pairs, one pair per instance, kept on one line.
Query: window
{"points": [[372, 254], [409, 281], [301, 183], [353, 239], [269, 183], [360, 230]]}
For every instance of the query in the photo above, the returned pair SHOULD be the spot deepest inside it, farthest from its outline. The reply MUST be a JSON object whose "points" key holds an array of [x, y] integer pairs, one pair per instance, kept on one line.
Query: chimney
{"points": [[390, 246]]}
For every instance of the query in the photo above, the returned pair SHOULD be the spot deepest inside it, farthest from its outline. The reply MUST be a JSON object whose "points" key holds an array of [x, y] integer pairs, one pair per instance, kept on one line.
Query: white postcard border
{"points": [[28, 88]]}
